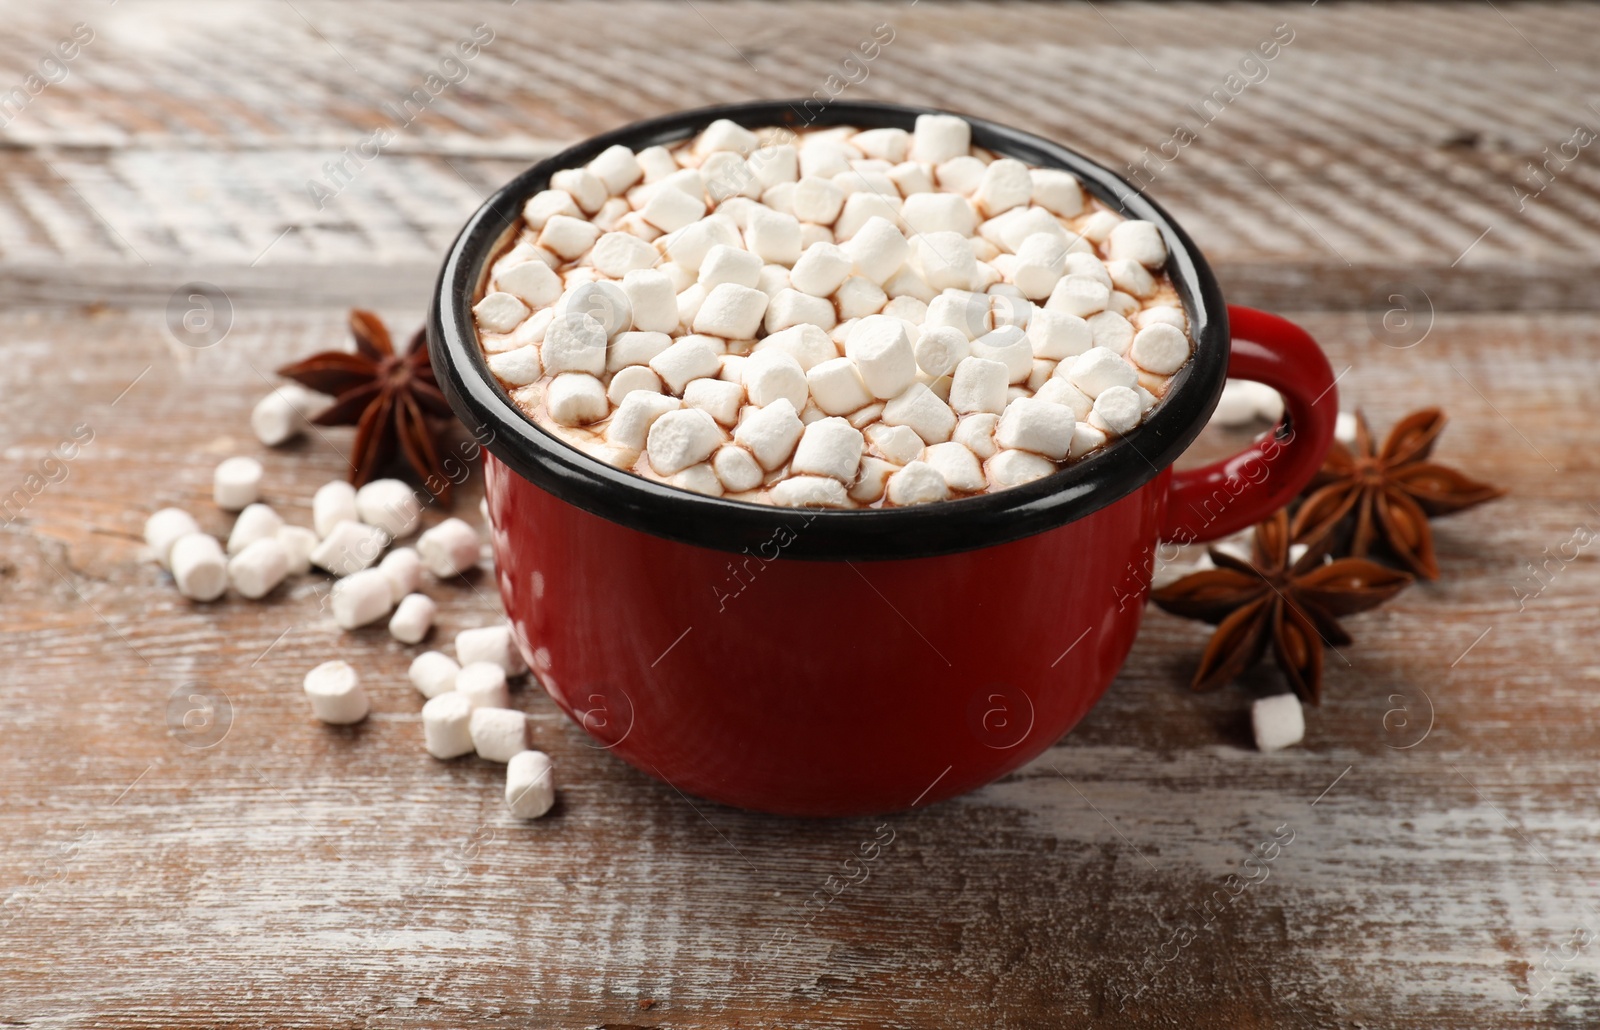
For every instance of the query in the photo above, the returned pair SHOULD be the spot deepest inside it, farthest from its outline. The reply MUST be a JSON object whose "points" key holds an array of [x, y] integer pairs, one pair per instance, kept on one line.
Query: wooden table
{"points": [[1442, 807]]}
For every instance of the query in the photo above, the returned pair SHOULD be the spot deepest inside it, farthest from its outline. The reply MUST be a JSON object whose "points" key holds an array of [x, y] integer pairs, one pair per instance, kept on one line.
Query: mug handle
{"points": [[1229, 495]]}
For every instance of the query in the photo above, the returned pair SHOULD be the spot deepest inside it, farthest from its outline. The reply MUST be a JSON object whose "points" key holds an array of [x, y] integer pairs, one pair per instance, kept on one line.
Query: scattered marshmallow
{"points": [[165, 528], [530, 784], [483, 684], [1277, 721], [498, 734], [298, 543], [334, 502], [412, 618], [449, 549], [493, 644], [391, 505], [282, 415], [258, 567], [360, 598], [199, 567], [349, 547], [919, 409], [335, 693], [447, 725], [236, 483], [433, 673], [979, 384], [772, 374]]}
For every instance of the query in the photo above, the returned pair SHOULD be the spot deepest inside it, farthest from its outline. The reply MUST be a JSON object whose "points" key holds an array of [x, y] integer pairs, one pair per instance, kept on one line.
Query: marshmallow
{"points": [[1030, 424], [433, 673], [1090, 266], [1277, 721], [349, 547], [898, 444], [887, 144], [575, 342], [403, 567], [1097, 227], [483, 684], [493, 644], [1040, 262], [1162, 313], [617, 167], [517, 367], [653, 300], [929, 213], [198, 567], [723, 134], [789, 308], [691, 358], [960, 174], [873, 480], [773, 235], [1055, 335], [961, 310], [298, 543], [546, 204], [498, 733], [1085, 438], [1010, 347], [447, 725], [821, 269], [669, 209], [717, 398], [1098, 369], [736, 469], [1006, 183], [771, 374], [829, 447], [836, 386], [587, 189], [1079, 295], [980, 385], [727, 177], [1060, 391], [566, 237], [907, 309], [920, 409], [917, 483], [281, 415], [882, 352], [391, 505], [413, 618], [1137, 241], [449, 549], [678, 439], [774, 164], [858, 297], [809, 492], [806, 343], [1131, 277], [939, 137], [1344, 428], [957, 465], [165, 528], [575, 399], [629, 426], [236, 483], [1056, 191], [725, 264], [1160, 348], [530, 785], [976, 433], [256, 522], [360, 598], [1013, 468], [911, 177], [701, 479], [816, 199], [770, 433], [878, 250], [731, 311], [1111, 331], [334, 502], [863, 205], [636, 348], [258, 567], [688, 247], [633, 379], [773, 280], [618, 253], [501, 312], [1117, 409], [335, 693], [945, 260]]}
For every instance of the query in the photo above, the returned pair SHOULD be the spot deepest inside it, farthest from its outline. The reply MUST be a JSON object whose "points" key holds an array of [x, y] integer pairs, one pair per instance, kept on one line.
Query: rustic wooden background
{"points": [[1443, 866]]}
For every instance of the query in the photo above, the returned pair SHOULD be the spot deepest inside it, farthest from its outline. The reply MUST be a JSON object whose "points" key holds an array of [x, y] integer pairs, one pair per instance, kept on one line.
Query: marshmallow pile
{"points": [[835, 318]]}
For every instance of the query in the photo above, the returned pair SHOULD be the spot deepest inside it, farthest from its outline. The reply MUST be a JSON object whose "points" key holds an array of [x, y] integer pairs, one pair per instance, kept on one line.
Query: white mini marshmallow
{"points": [[872, 481], [575, 399], [281, 415], [335, 693], [957, 465], [633, 379], [566, 237], [917, 483], [412, 618], [618, 253], [403, 567], [960, 174], [836, 386], [929, 213], [1085, 438], [1137, 241], [1344, 428], [858, 297], [1006, 184], [939, 137], [546, 204], [1097, 227], [731, 311], [1009, 346], [391, 505], [878, 250], [635, 348], [333, 503], [500, 312], [617, 167], [789, 308], [726, 264], [1056, 191], [256, 522], [492, 644], [1031, 424], [701, 479], [898, 444], [449, 549], [689, 246], [1161, 313], [530, 785], [816, 199], [653, 300], [907, 309], [1117, 409], [447, 725], [678, 439], [574, 342], [1131, 277], [258, 567], [433, 673], [587, 189], [809, 492], [921, 410], [829, 447], [1160, 348], [1041, 260], [976, 433], [517, 367], [1098, 369], [360, 598], [770, 433], [349, 547], [887, 144], [864, 204], [774, 235], [1059, 390], [199, 567], [236, 483], [774, 164], [1111, 331], [1013, 468], [773, 280], [821, 269], [483, 684], [1079, 295], [717, 398], [723, 134], [979, 384], [629, 426], [1090, 266], [1277, 721], [498, 734], [1055, 335], [298, 543], [882, 351], [670, 209], [911, 177], [736, 469], [961, 310], [771, 374], [690, 358], [165, 528], [806, 343]]}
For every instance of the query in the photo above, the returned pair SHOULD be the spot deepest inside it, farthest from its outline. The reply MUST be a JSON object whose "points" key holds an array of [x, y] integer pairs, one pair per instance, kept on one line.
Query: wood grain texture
{"points": [[294, 875]]}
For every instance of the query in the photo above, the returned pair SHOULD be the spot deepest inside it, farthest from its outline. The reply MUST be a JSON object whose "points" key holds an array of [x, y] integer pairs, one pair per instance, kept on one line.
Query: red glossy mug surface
{"points": [[836, 687]]}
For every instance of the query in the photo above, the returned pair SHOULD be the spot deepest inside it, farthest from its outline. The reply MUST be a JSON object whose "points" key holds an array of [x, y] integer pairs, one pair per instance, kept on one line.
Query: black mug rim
{"points": [[944, 527]]}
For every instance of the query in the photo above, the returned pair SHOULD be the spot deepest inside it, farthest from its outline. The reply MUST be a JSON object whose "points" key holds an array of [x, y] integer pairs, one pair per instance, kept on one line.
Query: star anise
{"points": [[1295, 605], [1391, 492], [388, 397]]}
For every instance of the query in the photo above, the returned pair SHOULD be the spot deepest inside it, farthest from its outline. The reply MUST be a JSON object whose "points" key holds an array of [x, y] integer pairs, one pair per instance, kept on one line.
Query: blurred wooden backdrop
{"points": [[1443, 807]]}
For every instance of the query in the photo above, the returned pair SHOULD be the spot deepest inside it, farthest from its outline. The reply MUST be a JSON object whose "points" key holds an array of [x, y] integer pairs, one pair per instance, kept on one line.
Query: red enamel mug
{"points": [[830, 663]]}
